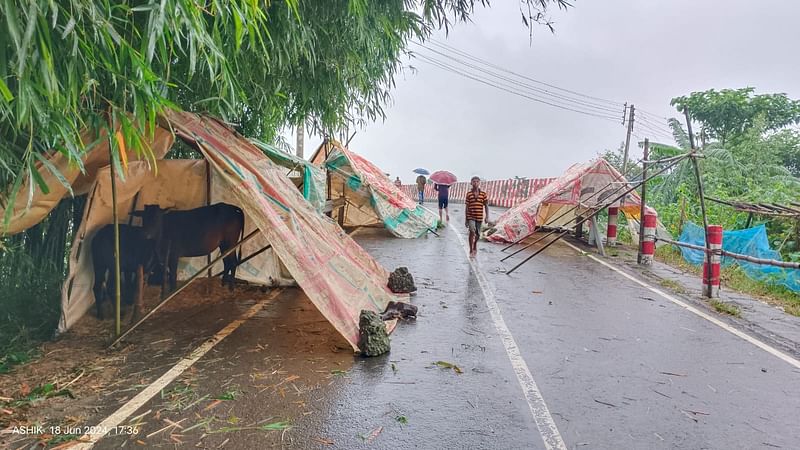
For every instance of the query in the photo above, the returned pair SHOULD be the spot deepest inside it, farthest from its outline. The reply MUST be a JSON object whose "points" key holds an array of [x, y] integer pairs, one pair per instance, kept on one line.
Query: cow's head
{"points": [[152, 221]]}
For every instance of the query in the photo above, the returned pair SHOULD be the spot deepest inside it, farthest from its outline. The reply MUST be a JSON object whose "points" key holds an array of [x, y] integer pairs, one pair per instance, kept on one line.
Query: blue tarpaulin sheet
{"points": [[752, 242]]}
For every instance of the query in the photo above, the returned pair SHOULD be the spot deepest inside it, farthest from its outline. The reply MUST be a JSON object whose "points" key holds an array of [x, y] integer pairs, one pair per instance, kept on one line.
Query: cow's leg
{"points": [[173, 272], [138, 292], [229, 262], [99, 292], [165, 272]]}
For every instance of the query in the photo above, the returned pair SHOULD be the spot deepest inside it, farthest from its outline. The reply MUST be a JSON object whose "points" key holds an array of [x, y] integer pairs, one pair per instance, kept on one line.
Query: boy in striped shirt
{"points": [[477, 211]]}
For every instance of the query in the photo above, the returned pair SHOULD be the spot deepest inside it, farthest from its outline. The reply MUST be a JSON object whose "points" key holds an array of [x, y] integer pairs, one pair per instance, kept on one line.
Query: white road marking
{"points": [[763, 346], [541, 414], [114, 420]]}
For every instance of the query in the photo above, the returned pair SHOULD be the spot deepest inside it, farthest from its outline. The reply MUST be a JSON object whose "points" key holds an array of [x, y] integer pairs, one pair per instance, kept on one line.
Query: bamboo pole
{"points": [[183, 286], [703, 212], [738, 256], [208, 202], [117, 280], [244, 260]]}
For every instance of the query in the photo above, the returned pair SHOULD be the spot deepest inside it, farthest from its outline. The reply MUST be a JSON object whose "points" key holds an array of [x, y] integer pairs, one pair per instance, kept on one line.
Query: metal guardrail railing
{"points": [[737, 256]]}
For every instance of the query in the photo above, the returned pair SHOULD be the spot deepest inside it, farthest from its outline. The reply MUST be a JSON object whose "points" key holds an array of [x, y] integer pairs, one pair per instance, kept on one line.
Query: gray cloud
{"points": [[644, 52]]}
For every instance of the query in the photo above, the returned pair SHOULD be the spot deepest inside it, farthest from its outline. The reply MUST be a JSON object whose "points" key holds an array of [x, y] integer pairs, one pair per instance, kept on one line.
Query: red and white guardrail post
{"points": [[711, 285], [611, 231], [648, 240]]}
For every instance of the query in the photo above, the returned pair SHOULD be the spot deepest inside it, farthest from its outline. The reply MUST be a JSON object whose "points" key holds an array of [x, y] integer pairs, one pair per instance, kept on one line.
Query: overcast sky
{"points": [[642, 52]]}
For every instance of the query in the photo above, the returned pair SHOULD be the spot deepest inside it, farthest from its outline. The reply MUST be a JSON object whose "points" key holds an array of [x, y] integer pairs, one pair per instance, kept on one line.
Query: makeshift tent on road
{"points": [[363, 196], [588, 186], [311, 181], [337, 275]]}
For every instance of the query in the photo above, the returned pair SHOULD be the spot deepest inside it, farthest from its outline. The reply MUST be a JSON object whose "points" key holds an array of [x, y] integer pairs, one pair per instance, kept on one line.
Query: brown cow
{"points": [[137, 251], [195, 232]]}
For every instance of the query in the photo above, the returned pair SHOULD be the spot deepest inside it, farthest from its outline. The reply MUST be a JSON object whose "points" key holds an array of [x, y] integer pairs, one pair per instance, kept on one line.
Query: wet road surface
{"points": [[616, 365]]}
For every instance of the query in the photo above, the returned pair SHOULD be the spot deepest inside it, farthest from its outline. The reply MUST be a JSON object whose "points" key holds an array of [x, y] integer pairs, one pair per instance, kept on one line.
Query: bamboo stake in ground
{"points": [[117, 281]]}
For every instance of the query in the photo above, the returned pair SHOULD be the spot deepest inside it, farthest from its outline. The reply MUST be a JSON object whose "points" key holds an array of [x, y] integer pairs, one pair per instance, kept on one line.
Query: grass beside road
{"points": [[735, 278]]}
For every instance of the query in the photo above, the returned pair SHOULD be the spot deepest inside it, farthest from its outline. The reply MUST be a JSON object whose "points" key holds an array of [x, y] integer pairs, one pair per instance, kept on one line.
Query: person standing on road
{"points": [[421, 188], [444, 193], [476, 206]]}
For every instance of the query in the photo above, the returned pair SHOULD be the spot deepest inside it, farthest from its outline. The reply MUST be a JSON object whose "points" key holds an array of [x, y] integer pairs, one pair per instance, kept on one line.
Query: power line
{"points": [[449, 68], [558, 97], [577, 103], [654, 115], [655, 133], [656, 126], [490, 64]]}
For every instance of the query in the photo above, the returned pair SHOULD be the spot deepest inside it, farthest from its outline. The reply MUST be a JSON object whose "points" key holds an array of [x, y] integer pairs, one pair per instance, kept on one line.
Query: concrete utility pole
{"points": [[628, 141], [301, 131]]}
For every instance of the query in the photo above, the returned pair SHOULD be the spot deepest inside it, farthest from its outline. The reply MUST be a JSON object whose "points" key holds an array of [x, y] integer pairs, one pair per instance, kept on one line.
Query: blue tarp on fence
{"points": [[751, 241]]}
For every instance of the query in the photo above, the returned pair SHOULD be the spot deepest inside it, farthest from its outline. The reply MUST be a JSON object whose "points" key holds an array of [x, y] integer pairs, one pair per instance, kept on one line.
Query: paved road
{"points": [[613, 366]]}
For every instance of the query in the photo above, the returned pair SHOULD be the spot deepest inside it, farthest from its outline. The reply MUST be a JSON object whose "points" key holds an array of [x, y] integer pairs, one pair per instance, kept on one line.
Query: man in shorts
{"points": [[444, 193], [476, 205]]}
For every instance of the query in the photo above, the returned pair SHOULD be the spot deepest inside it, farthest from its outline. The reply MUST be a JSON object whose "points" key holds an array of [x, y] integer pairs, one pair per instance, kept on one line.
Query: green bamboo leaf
{"points": [[12, 23], [7, 95], [57, 173], [23, 56], [237, 21], [37, 177]]}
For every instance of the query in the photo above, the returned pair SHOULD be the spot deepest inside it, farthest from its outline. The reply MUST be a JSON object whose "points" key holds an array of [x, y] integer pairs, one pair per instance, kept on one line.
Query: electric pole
{"points": [[628, 140]]}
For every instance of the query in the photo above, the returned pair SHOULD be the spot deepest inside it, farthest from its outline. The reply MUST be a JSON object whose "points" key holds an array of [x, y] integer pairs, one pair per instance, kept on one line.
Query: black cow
{"points": [[137, 250], [195, 232]]}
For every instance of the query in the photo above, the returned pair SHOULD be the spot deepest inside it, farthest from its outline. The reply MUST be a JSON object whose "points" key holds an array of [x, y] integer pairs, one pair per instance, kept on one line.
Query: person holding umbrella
{"points": [[421, 183], [442, 180]]}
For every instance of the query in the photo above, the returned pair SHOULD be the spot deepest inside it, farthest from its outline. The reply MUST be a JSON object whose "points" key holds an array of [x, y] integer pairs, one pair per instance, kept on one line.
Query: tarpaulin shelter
{"points": [[307, 248], [362, 195], [588, 185], [311, 181]]}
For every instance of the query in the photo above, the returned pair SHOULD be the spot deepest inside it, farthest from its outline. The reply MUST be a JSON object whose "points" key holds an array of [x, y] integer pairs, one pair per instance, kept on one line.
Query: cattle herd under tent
{"points": [[303, 247]]}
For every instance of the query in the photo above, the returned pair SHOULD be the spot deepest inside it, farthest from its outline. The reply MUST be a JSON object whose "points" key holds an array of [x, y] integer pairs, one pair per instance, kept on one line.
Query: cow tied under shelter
{"points": [[305, 248]]}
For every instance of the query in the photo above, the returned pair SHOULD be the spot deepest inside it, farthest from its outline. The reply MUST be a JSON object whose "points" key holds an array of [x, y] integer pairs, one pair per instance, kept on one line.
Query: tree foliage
{"points": [[70, 64], [67, 65], [731, 113]]}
